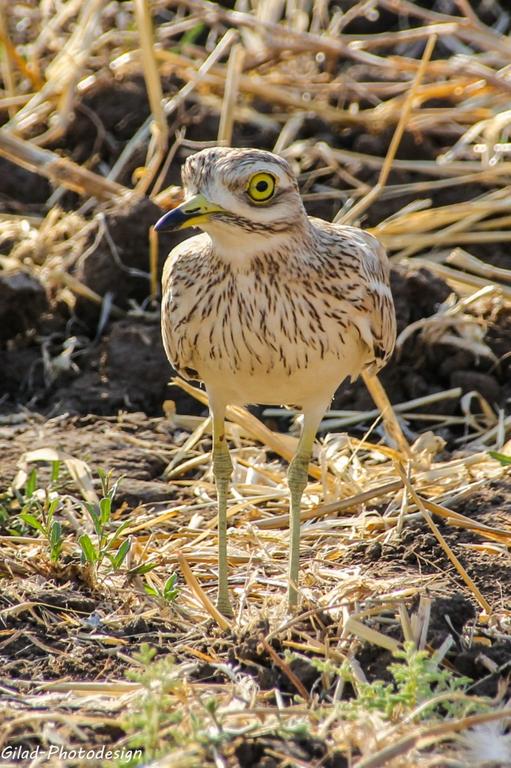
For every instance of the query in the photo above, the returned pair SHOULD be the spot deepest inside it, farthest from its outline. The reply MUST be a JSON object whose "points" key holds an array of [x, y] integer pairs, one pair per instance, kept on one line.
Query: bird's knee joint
{"points": [[298, 473], [222, 464]]}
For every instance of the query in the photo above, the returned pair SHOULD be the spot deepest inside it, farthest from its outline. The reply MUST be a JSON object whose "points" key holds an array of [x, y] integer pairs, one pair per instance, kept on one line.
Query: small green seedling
{"points": [[41, 515], [190, 36], [169, 593], [501, 457], [94, 553], [156, 723], [139, 570]]}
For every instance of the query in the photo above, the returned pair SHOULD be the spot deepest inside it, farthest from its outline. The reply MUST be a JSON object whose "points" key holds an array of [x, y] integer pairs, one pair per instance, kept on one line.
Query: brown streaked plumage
{"points": [[269, 306]]}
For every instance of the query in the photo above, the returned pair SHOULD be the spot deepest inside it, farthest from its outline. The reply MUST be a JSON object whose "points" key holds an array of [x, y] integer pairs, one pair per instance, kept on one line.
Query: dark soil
{"points": [[118, 264], [253, 753], [23, 302], [121, 446], [417, 552]]}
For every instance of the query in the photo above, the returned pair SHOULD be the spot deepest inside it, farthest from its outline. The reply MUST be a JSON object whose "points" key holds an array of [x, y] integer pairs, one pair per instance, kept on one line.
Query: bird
{"points": [[268, 306]]}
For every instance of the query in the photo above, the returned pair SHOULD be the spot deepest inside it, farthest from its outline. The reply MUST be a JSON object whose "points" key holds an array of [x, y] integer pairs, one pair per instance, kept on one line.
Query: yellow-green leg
{"points": [[222, 470], [297, 480]]}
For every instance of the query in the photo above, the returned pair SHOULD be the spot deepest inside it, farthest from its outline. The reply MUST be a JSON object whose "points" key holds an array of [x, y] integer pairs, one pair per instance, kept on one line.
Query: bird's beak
{"points": [[191, 213]]}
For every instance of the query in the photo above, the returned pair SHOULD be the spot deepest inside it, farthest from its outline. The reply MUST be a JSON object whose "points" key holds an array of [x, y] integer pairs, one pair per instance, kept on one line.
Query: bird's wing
{"points": [[180, 281], [379, 317], [363, 282]]}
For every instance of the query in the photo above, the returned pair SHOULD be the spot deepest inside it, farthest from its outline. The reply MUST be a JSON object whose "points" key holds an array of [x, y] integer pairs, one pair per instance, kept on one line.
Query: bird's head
{"points": [[230, 192]]}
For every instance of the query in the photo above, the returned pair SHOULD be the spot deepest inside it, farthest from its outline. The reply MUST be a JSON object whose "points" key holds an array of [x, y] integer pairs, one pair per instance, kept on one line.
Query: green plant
{"points": [[4, 511], [501, 457], [40, 515], [168, 594], [190, 36], [38, 512], [155, 724], [417, 679], [95, 552]]}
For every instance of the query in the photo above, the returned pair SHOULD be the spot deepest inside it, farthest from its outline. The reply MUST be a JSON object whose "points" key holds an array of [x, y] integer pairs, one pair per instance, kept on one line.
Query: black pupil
{"points": [[262, 186]]}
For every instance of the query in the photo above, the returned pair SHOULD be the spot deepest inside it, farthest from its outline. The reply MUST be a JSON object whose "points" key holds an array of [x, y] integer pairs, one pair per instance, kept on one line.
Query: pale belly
{"points": [[314, 383], [256, 341]]}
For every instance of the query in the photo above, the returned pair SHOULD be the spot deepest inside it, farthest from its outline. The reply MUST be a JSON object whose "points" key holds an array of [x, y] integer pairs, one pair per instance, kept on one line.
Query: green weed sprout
{"points": [[40, 515], [95, 552], [157, 713], [417, 678], [168, 594]]}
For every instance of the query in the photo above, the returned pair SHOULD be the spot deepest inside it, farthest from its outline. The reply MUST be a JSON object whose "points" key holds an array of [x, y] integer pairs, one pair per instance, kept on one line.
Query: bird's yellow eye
{"points": [[261, 187]]}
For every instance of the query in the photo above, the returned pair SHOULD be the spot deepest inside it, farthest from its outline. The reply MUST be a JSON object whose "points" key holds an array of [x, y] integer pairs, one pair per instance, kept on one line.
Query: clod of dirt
{"points": [[375, 662], [491, 504], [457, 361], [119, 263], [106, 117], [21, 191], [135, 363], [449, 616], [18, 369], [271, 751], [145, 492], [412, 145], [84, 394], [22, 302], [483, 383], [498, 339], [128, 370], [486, 665], [256, 661], [417, 294]]}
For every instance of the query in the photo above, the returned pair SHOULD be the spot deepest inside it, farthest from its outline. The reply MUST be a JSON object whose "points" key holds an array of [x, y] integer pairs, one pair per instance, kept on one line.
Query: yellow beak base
{"points": [[191, 213]]}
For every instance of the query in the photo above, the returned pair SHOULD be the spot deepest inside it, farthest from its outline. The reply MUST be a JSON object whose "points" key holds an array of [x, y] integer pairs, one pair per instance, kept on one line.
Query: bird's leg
{"points": [[222, 470], [297, 480]]}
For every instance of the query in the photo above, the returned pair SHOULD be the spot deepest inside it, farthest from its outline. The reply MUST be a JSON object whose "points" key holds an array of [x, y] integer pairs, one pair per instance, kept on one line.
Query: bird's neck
{"points": [[239, 248]]}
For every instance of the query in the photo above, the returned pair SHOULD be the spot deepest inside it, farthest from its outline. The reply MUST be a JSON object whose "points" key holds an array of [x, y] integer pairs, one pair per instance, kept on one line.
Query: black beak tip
{"points": [[170, 220], [161, 224]]}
